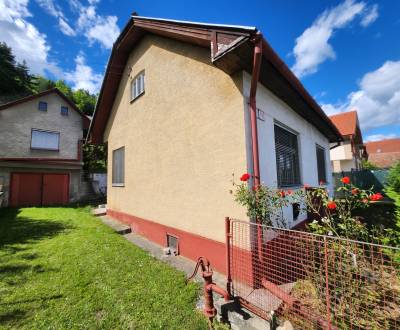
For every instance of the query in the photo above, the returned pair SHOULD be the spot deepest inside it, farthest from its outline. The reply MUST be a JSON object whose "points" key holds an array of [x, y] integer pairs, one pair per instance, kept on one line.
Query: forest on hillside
{"points": [[16, 81]]}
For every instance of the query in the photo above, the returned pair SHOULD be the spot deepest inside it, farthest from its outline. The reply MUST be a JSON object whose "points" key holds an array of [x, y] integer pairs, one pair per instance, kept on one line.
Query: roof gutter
{"points": [[257, 40]]}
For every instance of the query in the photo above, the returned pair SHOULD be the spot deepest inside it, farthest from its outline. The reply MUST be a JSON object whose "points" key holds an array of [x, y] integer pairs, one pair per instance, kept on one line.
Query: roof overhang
{"points": [[231, 50]]}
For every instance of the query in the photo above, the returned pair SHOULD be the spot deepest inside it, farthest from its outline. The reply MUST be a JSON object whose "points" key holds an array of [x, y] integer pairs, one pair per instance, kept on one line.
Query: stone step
{"points": [[119, 227]]}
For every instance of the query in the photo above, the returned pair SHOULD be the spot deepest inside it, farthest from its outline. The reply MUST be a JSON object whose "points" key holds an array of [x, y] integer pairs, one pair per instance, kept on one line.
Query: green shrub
{"points": [[393, 180]]}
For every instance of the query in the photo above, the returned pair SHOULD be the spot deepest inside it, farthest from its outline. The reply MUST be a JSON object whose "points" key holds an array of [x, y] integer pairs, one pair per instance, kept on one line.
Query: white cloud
{"points": [[105, 31], [377, 100], [25, 39], [379, 137], [65, 27], [83, 76], [54, 10], [313, 48], [370, 16], [96, 28]]}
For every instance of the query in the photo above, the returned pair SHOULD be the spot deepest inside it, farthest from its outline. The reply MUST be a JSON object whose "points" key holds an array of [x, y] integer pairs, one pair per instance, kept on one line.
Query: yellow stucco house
{"points": [[183, 107]]}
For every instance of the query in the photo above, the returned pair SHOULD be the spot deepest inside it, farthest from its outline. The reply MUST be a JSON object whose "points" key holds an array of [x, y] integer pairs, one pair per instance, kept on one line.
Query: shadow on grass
{"points": [[11, 316], [20, 230]]}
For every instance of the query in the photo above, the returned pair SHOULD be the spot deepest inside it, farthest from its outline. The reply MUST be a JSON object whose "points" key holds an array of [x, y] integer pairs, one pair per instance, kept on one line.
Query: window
{"points": [[42, 106], [287, 157], [64, 111], [137, 86], [118, 167], [321, 164], [45, 140]]}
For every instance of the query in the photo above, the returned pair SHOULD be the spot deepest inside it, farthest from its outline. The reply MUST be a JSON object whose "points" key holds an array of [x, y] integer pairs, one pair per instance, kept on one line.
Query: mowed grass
{"points": [[61, 268]]}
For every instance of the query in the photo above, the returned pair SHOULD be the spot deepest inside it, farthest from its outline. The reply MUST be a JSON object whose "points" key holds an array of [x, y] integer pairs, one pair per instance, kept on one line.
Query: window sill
{"points": [[45, 149], [134, 99], [118, 185]]}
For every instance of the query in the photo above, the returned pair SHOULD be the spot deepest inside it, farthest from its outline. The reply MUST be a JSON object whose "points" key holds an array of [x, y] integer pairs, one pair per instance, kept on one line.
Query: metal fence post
{"points": [[228, 236], [328, 300]]}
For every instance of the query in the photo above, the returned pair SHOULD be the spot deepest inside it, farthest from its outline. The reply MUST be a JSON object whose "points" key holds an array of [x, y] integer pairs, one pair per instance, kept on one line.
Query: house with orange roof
{"points": [[384, 153], [347, 154]]}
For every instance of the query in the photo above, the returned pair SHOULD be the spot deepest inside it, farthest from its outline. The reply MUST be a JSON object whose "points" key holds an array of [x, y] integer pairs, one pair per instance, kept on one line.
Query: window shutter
{"points": [[45, 140], [118, 170], [321, 164], [287, 157]]}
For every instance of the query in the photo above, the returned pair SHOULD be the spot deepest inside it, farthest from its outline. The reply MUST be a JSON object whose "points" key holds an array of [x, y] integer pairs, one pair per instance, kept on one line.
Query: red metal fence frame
{"points": [[314, 281]]}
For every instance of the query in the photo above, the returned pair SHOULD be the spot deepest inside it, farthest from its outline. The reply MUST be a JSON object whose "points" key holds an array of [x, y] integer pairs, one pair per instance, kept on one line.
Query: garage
{"points": [[39, 189]]}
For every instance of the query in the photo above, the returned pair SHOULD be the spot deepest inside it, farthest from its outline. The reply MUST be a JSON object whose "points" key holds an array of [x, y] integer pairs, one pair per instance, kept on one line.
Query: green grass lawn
{"points": [[61, 268]]}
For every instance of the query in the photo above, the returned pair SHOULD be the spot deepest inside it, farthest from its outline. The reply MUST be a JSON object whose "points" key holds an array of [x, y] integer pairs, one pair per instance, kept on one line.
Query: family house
{"points": [[384, 153], [186, 106], [348, 154], [40, 150]]}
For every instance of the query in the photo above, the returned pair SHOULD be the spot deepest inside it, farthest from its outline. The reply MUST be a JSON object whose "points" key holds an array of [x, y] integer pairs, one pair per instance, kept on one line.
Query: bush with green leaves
{"points": [[393, 179], [263, 203]]}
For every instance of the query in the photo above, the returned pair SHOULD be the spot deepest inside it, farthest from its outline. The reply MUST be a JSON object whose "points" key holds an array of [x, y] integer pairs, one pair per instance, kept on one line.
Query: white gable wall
{"points": [[308, 136]]}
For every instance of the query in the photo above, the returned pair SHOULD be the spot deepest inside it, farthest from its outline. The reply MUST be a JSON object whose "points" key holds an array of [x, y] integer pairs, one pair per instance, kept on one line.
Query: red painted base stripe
{"points": [[191, 245]]}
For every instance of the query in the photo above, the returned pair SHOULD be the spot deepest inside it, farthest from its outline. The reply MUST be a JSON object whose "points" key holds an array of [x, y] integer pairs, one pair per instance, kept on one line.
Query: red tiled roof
{"points": [[346, 122], [383, 146], [384, 153]]}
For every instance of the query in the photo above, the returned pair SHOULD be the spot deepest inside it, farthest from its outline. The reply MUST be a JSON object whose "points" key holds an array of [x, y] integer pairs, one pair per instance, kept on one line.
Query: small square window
{"points": [[42, 106], [64, 111]]}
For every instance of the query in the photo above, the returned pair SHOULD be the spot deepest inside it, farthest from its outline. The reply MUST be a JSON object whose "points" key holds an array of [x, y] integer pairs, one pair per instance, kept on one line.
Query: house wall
{"points": [[17, 122], [183, 139], [308, 137], [342, 152]]}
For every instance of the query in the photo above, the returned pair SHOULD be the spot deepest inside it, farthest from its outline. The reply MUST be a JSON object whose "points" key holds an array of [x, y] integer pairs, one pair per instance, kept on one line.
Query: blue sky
{"points": [[346, 53]]}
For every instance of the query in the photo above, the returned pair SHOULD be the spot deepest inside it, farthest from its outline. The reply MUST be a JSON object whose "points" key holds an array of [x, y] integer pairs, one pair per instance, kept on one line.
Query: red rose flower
{"points": [[376, 197], [281, 193], [355, 191], [345, 180], [365, 200], [245, 177], [331, 205], [306, 185], [289, 192]]}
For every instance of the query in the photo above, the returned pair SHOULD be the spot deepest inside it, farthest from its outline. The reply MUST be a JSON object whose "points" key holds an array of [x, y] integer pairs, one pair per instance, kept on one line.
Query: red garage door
{"points": [[37, 189]]}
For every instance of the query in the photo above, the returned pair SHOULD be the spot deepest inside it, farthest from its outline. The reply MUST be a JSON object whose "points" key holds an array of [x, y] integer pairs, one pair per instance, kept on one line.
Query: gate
{"points": [[314, 281]]}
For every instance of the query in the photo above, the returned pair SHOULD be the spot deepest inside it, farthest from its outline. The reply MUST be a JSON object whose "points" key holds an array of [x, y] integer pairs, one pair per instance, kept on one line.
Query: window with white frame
{"points": [[137, 86], [118, 167], [321, 164], [287, 157], [45, 140]]}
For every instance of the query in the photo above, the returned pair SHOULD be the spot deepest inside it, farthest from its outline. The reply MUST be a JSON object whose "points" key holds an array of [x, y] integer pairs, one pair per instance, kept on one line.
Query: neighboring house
{"points": [[348, 154], [384, 153], [174, 110], [40, 149]]}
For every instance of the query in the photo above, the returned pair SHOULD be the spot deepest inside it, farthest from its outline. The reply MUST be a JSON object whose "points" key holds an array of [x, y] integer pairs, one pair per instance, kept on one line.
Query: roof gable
{"points": [[346, 122], [231, 50], [28, 98]]}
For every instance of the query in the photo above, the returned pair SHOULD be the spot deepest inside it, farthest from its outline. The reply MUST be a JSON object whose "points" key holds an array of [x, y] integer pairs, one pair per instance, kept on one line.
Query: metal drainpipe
{"points": [[257, 40]]}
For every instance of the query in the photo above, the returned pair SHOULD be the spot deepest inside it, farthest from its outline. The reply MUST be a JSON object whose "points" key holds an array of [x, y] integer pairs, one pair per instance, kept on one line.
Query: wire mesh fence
{"points": [[314, 281]]}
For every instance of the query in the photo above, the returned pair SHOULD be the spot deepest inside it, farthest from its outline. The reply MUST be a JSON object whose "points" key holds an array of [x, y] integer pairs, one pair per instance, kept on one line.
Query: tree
{"points": [[65, 89], [43, 84], [85, 101], [15, 79]]}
